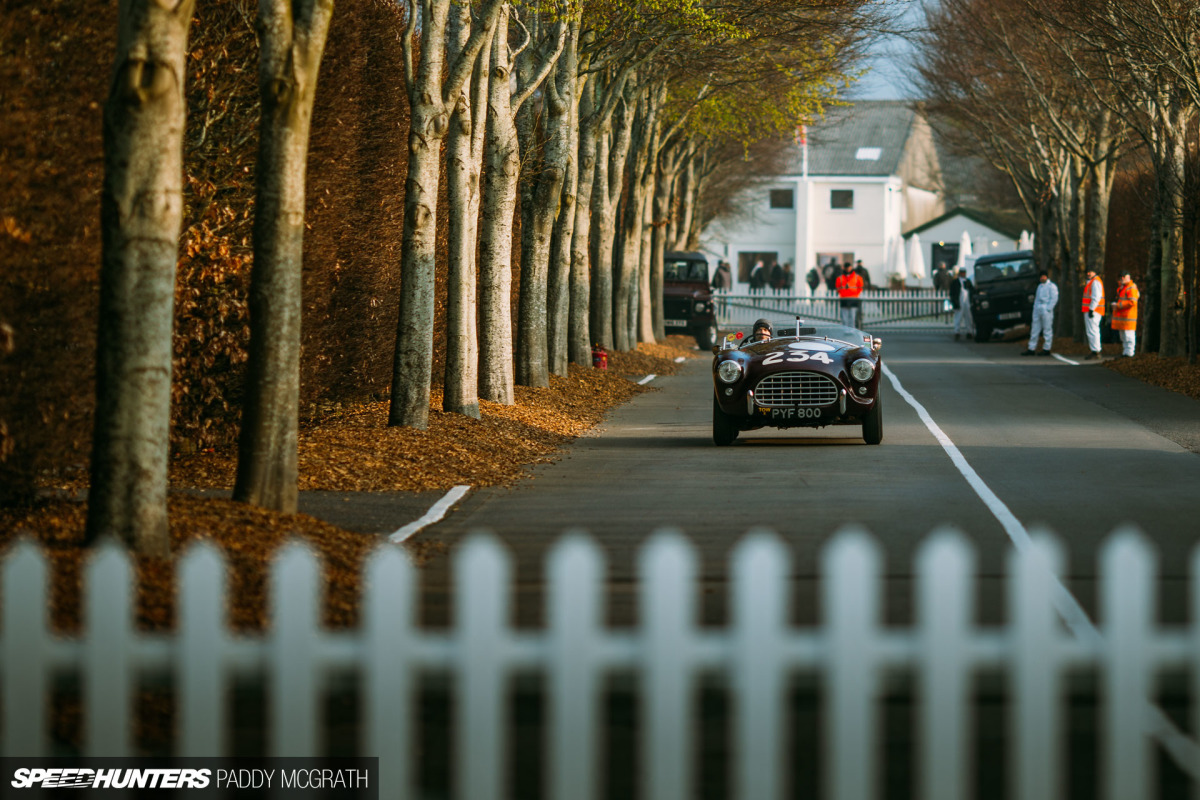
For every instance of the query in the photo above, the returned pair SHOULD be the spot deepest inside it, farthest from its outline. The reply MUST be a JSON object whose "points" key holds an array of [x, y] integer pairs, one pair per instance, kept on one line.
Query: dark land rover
{"points": [[687, 297], [1004, 287]]}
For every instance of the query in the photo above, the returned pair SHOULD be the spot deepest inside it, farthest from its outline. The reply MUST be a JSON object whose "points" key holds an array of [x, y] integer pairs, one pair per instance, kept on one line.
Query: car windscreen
{"points": [[685, 271], [999, 270]]}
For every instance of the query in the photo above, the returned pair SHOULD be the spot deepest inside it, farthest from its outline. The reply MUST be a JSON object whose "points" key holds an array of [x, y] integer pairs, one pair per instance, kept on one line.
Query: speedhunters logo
{"points": [[307, 778], [83, 778]]}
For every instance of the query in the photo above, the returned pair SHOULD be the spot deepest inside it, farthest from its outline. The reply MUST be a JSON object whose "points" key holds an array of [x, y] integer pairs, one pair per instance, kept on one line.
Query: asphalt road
{"points": [[1080, 449]]}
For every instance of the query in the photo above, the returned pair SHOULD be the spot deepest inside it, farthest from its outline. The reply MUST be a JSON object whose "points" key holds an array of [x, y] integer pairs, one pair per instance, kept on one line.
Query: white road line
{"points": [[434, 514], [647, 379], [1184, 751], [1065, 360]]}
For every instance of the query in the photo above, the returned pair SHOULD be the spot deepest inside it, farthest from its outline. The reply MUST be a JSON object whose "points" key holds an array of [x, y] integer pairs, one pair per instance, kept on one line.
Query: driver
{"points": [[761, 332]]}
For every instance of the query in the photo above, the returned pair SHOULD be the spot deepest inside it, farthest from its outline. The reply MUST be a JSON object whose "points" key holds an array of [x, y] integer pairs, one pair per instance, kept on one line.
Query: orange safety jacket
{"points": [[849, 285], [1093, 296], [1125, 309]]}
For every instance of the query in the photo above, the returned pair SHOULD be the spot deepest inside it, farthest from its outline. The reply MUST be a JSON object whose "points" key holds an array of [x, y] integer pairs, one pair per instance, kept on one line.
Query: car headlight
{"points": [[729, 371], [862, 370], [983, 303], [699, 306]]}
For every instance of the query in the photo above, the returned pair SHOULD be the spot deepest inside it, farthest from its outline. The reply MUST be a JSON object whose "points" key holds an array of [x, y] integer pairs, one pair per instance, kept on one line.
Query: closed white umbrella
{"points": [[899, 265], [964, 250], [916, 257]]}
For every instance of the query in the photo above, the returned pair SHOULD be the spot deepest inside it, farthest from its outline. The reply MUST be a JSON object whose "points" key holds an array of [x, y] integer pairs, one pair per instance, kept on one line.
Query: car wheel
{"points": [[706, 338], [983, 335], [873, 423], [724, 430]]}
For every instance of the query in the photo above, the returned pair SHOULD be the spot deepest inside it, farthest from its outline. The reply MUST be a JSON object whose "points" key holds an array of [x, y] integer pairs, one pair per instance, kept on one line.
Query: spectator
{"points": [[1044, 302], [758, 277], [776, 276], [813, 279], [723, 277], [1093, 312], [861, 271], [1125, 314], [961, 290], [830, 273], [849, 287], [789, 277]]}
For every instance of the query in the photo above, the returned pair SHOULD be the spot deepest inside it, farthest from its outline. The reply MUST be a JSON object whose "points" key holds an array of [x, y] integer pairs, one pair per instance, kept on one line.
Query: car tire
{"points": [[983, 334], [706, 338], [724, 429], [873, 423]]}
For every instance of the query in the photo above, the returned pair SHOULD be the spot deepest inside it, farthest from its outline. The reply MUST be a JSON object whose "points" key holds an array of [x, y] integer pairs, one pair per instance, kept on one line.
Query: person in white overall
{"points": [[1044, 302]]}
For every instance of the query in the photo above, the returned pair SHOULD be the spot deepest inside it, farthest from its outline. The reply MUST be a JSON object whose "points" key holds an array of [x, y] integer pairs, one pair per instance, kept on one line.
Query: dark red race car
{"points": [[807, 376]]}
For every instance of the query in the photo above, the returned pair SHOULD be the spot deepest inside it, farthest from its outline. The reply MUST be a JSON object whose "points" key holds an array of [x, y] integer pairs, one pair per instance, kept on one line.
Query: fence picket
{"points": [[108, 653], [25, 652], [851, 601], [482, 603], [945, 571], [293, 652], [200, 656], [389, 616], [1127, 606], [760, 568], [576, 613], [667, 572], [1036, 681]]}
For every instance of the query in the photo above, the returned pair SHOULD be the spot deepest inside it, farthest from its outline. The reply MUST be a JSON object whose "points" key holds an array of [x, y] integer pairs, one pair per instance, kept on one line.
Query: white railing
{"points": [[882, 309], [758, 654]]}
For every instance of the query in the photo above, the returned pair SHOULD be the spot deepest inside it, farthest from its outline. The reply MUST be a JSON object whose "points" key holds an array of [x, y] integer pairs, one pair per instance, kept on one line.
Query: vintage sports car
{"points": [[808, 376]]}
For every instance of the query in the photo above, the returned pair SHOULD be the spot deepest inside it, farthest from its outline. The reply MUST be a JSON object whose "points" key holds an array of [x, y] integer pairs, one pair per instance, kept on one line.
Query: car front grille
{"points": [[788, 389], [677, 307]]}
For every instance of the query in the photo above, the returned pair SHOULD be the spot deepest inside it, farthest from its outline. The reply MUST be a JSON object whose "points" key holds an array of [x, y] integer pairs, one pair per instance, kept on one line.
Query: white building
{"points": [[867, 173]]}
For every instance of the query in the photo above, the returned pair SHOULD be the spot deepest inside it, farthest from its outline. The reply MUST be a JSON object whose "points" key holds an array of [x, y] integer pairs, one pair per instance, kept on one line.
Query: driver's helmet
{"points": [[761, 325]]}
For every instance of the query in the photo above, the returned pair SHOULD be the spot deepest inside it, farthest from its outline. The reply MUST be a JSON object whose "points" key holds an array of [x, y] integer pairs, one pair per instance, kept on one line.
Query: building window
{"points": [[783, 198], [841, 199]]}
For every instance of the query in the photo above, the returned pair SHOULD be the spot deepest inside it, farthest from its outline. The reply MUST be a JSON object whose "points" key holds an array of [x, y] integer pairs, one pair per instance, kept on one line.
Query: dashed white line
{"points": [[1185, 752], [647, 379], [434, 514]]}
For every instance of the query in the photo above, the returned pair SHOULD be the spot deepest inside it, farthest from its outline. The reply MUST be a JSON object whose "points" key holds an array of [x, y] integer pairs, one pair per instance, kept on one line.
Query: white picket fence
{"points": [[758, 654], [882, 309]]}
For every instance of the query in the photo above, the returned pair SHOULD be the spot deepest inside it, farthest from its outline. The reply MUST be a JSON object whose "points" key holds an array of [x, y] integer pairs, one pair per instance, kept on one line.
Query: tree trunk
{"points": [[562, 122], [141, 207], [539, 211], [579, 330], [664, 184], [612, 161], [291, 48], [464, 145], [495, 239], [687, 197], [1172, 304]]}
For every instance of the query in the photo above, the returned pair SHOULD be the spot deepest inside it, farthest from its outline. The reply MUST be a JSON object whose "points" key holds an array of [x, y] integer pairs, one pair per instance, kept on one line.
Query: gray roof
{"points": [[834, 141]]}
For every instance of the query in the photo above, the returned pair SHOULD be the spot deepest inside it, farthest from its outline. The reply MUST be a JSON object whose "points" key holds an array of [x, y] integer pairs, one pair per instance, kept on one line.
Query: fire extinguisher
{"points": [[599, 357]]}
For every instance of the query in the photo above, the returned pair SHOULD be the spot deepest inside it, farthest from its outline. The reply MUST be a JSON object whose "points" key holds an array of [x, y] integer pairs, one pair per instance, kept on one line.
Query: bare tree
{"points": [[141, 210], [291, 41]]}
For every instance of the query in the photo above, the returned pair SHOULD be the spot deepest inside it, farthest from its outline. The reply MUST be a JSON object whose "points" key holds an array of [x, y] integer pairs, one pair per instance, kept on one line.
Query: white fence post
{"points": [[25, 652], [1127, 605], [389, 616], [482, 585], [667, 571], [200, 654], [576, 614], [851, 600], [108, 667], [1036, 680], [294, 670], [760, 569], [945, 569]]}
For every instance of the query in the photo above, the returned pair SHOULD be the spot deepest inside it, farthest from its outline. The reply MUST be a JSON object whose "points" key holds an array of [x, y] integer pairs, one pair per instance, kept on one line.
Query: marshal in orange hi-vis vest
{"points": [[1125, 308], [849, 284], [1093, 296]]}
